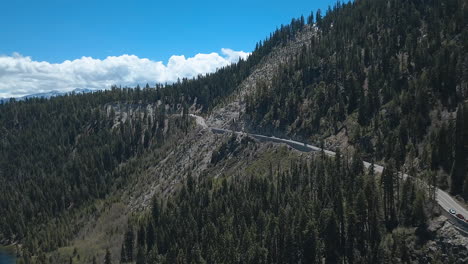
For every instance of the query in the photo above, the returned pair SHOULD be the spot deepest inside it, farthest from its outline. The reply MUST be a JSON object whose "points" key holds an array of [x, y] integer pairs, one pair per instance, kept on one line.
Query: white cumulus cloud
{"points": [[20, 75]]}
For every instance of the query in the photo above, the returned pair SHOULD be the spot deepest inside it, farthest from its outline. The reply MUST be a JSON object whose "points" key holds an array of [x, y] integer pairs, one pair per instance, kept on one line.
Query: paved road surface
{"points": [[443, 198]]}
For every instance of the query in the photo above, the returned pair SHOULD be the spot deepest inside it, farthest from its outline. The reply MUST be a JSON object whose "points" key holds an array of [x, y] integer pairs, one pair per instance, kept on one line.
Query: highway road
{"points": [[445, 201]]}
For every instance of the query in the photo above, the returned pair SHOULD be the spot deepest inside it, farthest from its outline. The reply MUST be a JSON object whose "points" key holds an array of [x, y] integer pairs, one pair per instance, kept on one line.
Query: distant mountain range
{"points": [[47, 95]]}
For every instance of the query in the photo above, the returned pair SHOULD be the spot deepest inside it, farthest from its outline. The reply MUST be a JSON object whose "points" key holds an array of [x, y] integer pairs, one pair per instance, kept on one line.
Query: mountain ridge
{"points": [[47, 95], [163, 190]]}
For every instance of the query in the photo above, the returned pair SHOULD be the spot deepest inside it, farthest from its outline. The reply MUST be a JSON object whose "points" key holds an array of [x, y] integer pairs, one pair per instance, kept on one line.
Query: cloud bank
{"points": [[20, 75]]}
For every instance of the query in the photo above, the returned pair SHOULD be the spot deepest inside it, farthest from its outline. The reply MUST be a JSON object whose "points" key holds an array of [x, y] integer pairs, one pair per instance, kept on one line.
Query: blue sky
{"points": [[57, 30]]}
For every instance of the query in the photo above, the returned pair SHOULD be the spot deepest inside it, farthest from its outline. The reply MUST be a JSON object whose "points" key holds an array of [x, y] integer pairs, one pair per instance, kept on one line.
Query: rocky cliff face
{"points": [[192, 154], [448, 242], [229, 115]]}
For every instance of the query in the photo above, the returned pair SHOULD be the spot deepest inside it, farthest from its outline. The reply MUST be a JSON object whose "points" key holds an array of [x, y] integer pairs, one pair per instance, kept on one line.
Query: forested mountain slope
{"points": [[60, 156], [360, 68], [386, 77], [126, 175]]}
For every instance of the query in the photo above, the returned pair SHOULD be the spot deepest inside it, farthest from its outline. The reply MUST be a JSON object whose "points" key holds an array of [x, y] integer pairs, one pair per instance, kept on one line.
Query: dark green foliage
{"points": [[383, 65], [140, 259], [419, 214], [389, 182], [299, 215], [310, 245], [459, 174], [57, 155], [150, 236], [229, 147], [108, 257], [127, 251]]}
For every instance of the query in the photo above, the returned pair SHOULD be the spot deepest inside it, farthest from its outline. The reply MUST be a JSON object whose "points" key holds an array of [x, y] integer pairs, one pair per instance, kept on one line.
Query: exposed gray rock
{"points": [[229, 115], [449, 244]]}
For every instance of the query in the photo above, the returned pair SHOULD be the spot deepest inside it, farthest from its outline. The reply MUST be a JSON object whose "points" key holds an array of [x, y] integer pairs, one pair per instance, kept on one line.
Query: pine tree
{"points": [[107, 257], [419, 214], [388, 181], [459, 166], [310, 244], [332, 239], [318, 18], [351, 232], [310, 19], [129, 244], [140, 255], [141, 239], [196, 256], [150, 236], [123, 254]]}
